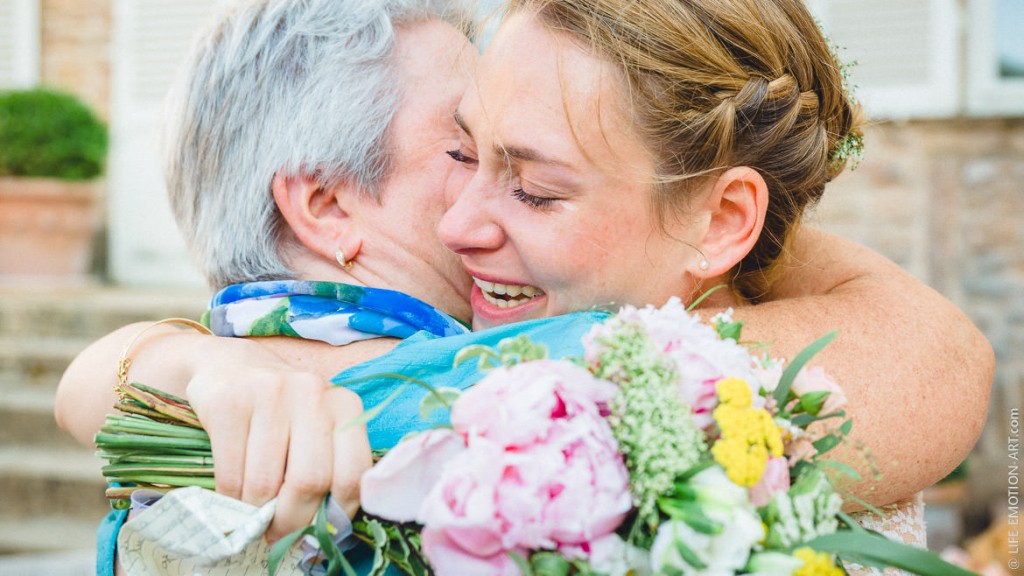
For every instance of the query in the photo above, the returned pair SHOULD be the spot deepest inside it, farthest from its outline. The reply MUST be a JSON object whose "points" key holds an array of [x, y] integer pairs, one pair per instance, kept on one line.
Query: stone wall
{"points": [[75, 39], [945, 200]]}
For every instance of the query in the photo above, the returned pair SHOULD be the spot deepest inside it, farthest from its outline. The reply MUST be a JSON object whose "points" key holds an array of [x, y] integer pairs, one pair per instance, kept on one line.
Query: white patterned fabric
{"points": [[902, 521]]}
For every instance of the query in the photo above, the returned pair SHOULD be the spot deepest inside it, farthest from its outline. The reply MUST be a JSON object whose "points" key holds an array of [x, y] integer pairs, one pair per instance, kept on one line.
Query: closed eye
{"points": [[458, 156], [531, 200]]}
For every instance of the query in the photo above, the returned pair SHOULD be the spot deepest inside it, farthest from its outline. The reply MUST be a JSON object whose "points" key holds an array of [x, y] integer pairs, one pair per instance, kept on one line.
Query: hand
{"points": [[273, 432]]}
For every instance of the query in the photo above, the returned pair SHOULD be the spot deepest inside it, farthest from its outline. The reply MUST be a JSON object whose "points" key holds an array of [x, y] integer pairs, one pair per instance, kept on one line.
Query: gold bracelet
{"points": [[125, 362]]}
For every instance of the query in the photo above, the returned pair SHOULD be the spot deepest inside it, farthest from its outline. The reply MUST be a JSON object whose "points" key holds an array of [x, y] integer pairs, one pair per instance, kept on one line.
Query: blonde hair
{"points": [[721, 83]]}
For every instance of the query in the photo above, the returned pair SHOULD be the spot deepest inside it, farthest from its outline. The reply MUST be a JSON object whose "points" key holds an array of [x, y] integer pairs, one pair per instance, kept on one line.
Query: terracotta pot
{"points": [[47, 228]]}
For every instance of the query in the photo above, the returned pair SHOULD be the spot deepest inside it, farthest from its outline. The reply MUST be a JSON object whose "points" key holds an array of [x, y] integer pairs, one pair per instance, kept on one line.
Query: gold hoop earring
{"points": [[339, 255]]}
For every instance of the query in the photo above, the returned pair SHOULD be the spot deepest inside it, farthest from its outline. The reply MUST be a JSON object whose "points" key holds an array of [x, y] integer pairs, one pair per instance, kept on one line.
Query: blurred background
{"points": [[940, 191]]}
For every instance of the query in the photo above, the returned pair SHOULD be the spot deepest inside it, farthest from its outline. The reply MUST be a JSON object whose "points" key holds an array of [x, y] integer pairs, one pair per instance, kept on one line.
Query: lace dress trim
{"points": [[902, 521]]}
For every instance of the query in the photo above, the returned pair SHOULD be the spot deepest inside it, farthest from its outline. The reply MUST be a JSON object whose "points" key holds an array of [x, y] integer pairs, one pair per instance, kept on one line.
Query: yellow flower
{"points": [[816, 564], [748, 435]]}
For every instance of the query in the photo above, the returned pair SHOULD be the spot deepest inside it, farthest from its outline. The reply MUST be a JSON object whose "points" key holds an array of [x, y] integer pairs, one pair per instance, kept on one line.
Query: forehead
{"points": [[431, 50], [433, 62], [542, 89]]}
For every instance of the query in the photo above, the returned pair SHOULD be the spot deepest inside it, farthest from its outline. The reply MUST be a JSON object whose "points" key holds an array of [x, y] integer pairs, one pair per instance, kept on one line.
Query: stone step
{"points": [[26, 420], [51, 489], [47, 483], [37, 361], [49, 534], [72, 563], [90, 312]]}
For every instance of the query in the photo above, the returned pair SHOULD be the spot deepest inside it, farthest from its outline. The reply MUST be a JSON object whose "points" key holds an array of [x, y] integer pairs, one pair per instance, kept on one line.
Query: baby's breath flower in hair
{"points": [[850, 147]]}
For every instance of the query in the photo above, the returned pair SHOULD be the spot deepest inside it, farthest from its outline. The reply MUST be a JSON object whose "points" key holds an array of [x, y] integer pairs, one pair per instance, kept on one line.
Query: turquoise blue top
{"points": [[430, 359], [311, 310]]}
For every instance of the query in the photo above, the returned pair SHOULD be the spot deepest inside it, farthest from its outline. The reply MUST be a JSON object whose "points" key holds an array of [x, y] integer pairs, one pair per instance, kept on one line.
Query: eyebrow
{"points": [[519, 153]]}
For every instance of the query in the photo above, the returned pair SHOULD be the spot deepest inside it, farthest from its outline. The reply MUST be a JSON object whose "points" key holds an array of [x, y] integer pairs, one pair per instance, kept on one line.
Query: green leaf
{"points": [[281, 547], [691, 513], [522, 563], [549, 564], [781, 393], [372, 413], [518, 349], [727, 330], [336, 562], [380, 545], [812, 402], [703, 297], [487, 357], [842, 468], [805, 420], [687, 554], [442, 398], [826, 443], [872, 549]]}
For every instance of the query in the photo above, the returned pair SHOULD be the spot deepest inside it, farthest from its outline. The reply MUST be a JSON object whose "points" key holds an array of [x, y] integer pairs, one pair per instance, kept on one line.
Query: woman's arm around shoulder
{"points": [[916, 371]]}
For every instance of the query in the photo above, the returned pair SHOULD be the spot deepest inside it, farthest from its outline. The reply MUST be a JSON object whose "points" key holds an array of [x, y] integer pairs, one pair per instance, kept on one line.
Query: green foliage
{"points": [[50, 134]]}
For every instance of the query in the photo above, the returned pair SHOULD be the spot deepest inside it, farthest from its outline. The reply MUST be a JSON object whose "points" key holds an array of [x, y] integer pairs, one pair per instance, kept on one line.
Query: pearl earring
{"points": [[704, 265]]}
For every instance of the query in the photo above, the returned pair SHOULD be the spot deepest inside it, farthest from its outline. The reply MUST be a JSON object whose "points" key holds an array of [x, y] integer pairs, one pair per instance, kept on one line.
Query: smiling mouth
{"points": [[507, 295]]}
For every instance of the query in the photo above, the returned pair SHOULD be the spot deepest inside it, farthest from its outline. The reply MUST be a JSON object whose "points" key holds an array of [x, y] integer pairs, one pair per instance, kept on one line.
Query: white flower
{"points": [[773, 564], [611, 555], [722, 317], [722, 554], [808, 510]]}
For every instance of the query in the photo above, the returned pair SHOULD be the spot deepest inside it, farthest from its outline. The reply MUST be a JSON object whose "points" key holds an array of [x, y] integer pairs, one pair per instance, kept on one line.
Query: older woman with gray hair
{"points": [[307, 168]]}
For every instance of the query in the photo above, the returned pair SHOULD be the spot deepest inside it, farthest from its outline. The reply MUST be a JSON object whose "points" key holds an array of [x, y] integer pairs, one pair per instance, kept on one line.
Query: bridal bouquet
{"points": [[668, 449], [671, 447]]}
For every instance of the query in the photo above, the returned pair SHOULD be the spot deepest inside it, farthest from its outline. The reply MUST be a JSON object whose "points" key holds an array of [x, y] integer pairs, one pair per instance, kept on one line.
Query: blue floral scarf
{"points": [[330, 312]]}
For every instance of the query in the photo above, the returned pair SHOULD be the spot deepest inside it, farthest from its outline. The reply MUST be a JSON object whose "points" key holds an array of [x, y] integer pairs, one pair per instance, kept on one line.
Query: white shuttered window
{"points": [[151, 40], [995, 56], [19, 43], [907, 53]]}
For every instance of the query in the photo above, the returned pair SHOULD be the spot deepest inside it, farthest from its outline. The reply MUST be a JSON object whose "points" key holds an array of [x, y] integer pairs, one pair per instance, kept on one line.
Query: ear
{"points": [[321, 219], [737, 205]]}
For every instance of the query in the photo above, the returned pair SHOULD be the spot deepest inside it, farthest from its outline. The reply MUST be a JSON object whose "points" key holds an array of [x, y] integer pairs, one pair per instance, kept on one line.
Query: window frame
{"points": [[987, 94]]}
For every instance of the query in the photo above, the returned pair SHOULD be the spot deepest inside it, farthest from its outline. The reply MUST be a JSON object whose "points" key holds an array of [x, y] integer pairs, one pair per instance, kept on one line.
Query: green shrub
{"points": [[51, 134]]}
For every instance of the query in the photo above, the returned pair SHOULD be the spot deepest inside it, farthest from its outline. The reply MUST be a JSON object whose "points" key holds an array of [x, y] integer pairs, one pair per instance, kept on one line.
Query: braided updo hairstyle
{"points": [[714, 84]]}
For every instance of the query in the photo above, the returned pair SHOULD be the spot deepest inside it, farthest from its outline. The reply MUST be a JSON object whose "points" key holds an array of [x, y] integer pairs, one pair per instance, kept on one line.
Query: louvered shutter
{"points": [[907, 53], [19, 43], [995, 56], [151, 39]]}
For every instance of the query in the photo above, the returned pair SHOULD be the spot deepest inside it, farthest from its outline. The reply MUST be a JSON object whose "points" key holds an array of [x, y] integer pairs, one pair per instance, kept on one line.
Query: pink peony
{"points": [[530, 465], [516, 406], [569, 490], [396, 487], [447, 557]]}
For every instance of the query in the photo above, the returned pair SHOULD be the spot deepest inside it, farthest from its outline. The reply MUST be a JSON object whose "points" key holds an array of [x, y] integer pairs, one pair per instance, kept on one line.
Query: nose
{"points": [[469, 225]]}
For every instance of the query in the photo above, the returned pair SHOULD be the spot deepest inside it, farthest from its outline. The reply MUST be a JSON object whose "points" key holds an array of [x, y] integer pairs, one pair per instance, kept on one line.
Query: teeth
{"points": [[514, 294]]}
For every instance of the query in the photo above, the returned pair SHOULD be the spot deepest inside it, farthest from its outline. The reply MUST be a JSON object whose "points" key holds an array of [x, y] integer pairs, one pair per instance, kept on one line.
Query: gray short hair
{"points": [[300, 87]]}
